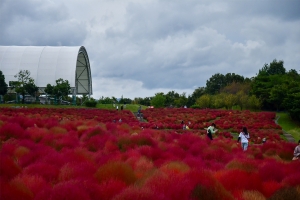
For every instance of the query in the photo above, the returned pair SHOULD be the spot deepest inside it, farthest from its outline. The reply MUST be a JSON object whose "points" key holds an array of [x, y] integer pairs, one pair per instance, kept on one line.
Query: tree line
{"points": [[273, 88]]}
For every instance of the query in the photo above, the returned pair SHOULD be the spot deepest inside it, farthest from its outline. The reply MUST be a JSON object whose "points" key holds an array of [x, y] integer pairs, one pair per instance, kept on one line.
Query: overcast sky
{"points": [[141, 47]]}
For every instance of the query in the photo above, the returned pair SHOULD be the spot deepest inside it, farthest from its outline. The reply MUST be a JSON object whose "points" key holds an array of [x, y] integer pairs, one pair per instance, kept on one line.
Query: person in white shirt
{"points": [[243, 137], [297, 152]]}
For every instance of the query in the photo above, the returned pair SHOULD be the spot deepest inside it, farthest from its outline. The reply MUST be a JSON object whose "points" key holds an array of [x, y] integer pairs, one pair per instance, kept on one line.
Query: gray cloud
{"points": [[38, 22]]}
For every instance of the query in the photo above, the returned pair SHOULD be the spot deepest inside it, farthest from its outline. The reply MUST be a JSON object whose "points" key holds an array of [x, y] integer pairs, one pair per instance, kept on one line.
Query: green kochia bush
{"points": [[91, 103]]}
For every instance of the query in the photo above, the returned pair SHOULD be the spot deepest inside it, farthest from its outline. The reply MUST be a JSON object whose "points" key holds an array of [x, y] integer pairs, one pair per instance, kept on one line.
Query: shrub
{"points": [[233, 180], [137, 194], [196, 107], [116, 170], [11, 130], [80, 171], [250, 195], [47, 171], [245, 165], [65, 190], [269, 187], [205, 186], [292, 180], [14, 191], [32, 184], [272, 171], [91, 103], [285, 193], [8, 167]]}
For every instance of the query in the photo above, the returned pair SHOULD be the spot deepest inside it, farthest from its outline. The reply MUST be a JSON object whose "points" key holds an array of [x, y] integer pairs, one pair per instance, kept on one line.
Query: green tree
{"points": [[215, 83], [25, 84], [268, 77], [275, 67], [253, 103], [241, 99], [219, 81], [191, 100], [105, 100], [235, 87], [204, 101], [158, 101], [292, 100], [181, 100], [145, 101], [171, 97], [230, 101], [277, 95], [218, 100], [3, 85], [61, 89]]}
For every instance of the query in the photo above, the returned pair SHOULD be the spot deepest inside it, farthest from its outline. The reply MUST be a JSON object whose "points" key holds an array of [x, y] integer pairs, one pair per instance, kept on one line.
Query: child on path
{"points": [[243, 137], [297, 152], [210, 130]]}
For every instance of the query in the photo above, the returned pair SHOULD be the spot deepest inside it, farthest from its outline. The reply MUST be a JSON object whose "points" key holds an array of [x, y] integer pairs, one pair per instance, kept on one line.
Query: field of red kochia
{"points": [[88, 154]]}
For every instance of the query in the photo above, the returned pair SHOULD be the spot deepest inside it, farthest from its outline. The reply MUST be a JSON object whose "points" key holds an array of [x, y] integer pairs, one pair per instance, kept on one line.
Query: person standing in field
{"points": [[211, 130], [297, 152], [243, 137], [139, 111]]}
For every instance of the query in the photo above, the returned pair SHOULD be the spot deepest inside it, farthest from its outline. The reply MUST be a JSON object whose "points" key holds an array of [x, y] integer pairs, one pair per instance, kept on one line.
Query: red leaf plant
{"points": [[65, 190], [236, 179], [272, 171], [47, 171], [116, 170]]}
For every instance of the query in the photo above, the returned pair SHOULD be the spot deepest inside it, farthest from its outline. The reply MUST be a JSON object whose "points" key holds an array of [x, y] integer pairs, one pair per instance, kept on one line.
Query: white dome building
{"points": [[47, 64]]}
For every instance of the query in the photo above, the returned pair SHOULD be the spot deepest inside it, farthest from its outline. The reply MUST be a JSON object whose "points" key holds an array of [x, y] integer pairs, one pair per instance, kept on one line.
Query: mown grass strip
{"points": [[288, 125]]}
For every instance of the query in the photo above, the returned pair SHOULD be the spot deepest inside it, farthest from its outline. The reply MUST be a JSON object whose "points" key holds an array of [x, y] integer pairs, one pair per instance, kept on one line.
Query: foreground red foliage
{"points": [[84, 154]]}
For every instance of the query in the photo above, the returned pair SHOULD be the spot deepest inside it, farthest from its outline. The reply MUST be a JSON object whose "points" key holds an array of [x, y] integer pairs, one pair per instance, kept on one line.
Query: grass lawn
{"points": [[131, 107], [288, 125]]}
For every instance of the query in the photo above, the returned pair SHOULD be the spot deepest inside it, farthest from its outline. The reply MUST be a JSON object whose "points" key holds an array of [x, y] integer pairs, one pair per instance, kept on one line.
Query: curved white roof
{"points": [[47, 64]]}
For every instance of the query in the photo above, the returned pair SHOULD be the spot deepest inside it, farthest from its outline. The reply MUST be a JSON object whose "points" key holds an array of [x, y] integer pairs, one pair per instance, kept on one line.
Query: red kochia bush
{"points": [[80, 171], [8, 167], [292, 180], [269, 187], [272, 171], [11, 130], [31, 184], [116, 170], [109, 189], [239, 180], [47, 171], [11, 191], [64, 190], [138, 194]]}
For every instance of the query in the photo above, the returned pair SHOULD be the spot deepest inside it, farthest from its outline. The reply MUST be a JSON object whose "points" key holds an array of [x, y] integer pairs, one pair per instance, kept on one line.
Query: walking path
{"points": [[288, 136], [139, 117]]}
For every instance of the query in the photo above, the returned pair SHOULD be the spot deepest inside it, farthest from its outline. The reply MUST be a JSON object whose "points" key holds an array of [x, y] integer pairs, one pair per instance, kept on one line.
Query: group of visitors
{"points": [[185, 126], [243, 138]]}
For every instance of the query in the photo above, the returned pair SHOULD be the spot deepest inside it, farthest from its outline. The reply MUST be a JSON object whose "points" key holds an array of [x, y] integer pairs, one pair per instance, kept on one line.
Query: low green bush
{"points": [[91, 103], [195, 106]]}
